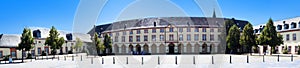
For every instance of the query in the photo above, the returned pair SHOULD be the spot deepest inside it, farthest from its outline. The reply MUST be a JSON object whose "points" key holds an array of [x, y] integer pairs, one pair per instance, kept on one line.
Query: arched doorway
{"points": [[188, 48], [138, 48], [179, 48], [130, 48], [153, 48], [146, 48], [196, 48], [171, 48], [204, 48], [162, 48], [116, 48], [123, 49]]}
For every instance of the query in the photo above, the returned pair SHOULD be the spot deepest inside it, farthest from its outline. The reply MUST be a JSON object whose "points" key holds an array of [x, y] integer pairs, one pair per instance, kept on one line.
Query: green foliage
{"points": [[98, 43], [78, 44], [53, 40], [107, 43], [229, 24], [285, 51], [26, 40], [247, 38], [269, 36], [233, 38]]}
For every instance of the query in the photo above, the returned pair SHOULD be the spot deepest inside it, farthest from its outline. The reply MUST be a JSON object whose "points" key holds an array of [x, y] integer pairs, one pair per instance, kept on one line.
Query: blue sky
{"points": [[17, 14]]}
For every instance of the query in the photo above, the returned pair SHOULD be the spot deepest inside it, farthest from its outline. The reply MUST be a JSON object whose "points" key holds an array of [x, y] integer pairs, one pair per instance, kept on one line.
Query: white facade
{"points": [[290, 31]]}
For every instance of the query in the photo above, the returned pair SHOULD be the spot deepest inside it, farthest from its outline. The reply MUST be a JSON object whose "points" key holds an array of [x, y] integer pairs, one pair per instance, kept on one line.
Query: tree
{"points": [[107, 43], [233, 38], [99, 45], [26, 41], [269, 36], [53, 41], [228, 24], [78, 44], [247, 38]]}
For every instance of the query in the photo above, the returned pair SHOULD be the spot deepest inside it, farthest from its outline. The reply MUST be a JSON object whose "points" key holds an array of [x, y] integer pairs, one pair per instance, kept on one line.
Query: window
{"points": [[161, 38], [124, 32], [123, 38], [180, 37], [162, 30], [39, 50], [110, 34], [188, 29], [130, 39], [138, 31], [180, 29], [171, 29], [146, 31], [287, 37], [289, 48], [1, 54], [188, 37], [145, 38], [294, 36], [219, 29], [171, 37], [203, 37], [153, 37], [47, 50], [219, 37], [212, 30], [203, 29], [138, 39], [196, 38], [153, 30], [39, 41], [24, 53], [117, 34], [211, 37], [116, 38], [66, 49], [32, 53], [13, 52], [131, 32], [196, 29]]}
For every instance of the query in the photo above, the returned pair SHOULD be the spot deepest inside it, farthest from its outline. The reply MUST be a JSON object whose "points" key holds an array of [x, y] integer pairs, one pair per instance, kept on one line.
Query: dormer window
{"points": [[37, 33], [293, 25], [286, 26], [256, 31], [69, 36], [279, 27], [154, 24]]}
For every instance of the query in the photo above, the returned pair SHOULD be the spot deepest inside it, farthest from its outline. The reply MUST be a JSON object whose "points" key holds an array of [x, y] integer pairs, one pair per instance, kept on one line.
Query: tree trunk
{"points": [[271, 50]]}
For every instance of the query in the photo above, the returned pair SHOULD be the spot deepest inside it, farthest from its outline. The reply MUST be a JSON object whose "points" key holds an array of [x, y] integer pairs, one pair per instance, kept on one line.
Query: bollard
{"points": [[212, 59], [158, 61], [72, 57], [126, 60], [47, 57], [58, 57], [35, 57], [230, 59], [247, 59], [142, 60], [193, 59], [42, 58], [65, 58], [92, 60], [277, 58], [176, 60], [292, 58], [263, 58], [81, 58], [113, 60], [102, 60]]}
